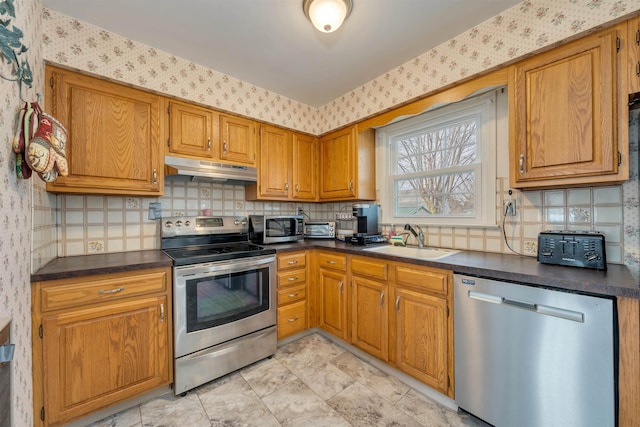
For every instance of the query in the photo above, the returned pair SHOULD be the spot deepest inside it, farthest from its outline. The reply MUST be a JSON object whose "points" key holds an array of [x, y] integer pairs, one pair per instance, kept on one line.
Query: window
{"points": [[439, 168]]}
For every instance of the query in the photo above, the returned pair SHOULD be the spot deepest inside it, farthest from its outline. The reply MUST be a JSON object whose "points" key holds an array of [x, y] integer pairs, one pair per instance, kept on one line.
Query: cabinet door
{"points": [[337, 160], [193, 131], [564, 108], [333, 302], [97, 356], [305, 166], [275, 163], [238, 140], [633, 38], [113, 144], [369, 326], [421, 337]]}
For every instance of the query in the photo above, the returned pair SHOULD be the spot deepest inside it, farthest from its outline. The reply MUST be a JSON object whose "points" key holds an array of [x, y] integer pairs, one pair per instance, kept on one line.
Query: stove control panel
{"points": [[572, 248], [201, 225]]}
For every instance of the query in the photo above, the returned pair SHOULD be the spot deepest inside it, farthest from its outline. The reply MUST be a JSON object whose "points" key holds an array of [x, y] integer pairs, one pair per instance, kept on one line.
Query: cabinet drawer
{"points": [[435, 281], [295, 260], [290, 295], [291, 278], [65, 294], [369, 268], [335, 261], [292, 319]]}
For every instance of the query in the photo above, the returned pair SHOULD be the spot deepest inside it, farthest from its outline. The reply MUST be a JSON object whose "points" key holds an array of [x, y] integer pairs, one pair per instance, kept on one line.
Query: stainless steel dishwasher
{"points": [[534, 357]]}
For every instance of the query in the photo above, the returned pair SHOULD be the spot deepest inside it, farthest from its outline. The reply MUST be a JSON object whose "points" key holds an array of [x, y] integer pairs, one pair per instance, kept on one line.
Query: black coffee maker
{"points": [[366, 229]]}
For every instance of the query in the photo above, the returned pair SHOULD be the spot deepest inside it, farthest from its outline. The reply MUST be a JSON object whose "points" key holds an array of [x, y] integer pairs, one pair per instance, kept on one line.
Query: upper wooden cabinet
{"points": [[238, 140], [114, 135], [287, 163], [193, 131], [347, 165], [633, 43], [564, 111]]}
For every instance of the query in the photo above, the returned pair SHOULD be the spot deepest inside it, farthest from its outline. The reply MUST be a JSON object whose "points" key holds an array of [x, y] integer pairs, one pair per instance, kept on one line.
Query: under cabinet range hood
{"points": [[204, 170]]}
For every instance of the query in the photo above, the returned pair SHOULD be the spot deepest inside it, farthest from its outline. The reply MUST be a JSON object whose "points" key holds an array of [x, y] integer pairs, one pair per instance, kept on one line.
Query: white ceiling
{"points": [[271, 44]]}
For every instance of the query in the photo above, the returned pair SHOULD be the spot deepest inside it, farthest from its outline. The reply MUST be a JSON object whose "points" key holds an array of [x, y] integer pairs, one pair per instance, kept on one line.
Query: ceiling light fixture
{"points": [[327, 15]]}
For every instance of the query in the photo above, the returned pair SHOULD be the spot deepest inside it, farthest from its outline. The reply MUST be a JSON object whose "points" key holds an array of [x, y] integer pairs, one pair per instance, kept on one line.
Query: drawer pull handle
{"points": [[295, 261], [291, 279], [293, 319], [331, 262], [111, 291], [293, 295], [162, 312]]}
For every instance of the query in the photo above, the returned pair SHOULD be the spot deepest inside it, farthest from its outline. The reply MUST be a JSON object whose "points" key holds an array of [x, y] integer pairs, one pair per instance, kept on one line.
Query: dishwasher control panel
{"points": [[572, 248]]}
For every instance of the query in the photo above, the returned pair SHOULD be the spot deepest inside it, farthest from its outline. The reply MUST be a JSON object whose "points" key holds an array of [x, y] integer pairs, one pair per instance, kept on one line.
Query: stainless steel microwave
{"points": [[269, 229], [319, 230]]}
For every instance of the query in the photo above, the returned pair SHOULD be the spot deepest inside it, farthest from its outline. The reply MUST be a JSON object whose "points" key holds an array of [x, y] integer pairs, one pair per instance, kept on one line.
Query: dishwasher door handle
{"points": [[481, 296]]}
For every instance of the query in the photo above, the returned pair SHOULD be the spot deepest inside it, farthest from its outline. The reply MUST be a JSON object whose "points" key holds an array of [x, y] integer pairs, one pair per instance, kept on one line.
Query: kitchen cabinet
{"points": [[287, 162], [292, 293], [238, 140], [193, 131], [422, 328], [564, 115], [347, 165], [370, 296], [114, 135], [99, 340], [332, 290], [633, 43]]}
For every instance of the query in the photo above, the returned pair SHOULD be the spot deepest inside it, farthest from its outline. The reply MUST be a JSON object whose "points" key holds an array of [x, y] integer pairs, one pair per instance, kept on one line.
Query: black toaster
{"points": [[572, 248]]}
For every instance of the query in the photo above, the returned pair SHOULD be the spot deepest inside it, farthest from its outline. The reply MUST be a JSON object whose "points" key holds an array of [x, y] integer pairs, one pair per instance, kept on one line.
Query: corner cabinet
{"points": [[567, 114], [287, 164], [99, 340], [347, 165], [114, 135], [193, 131]]}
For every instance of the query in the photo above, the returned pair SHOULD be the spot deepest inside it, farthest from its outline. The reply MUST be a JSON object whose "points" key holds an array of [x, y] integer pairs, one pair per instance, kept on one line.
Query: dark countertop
{"points": [[616, 281], [87, 265]]}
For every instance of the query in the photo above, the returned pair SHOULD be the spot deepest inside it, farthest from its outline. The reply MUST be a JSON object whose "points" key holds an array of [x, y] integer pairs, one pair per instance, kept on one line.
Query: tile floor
{"points": [[309, 382]]}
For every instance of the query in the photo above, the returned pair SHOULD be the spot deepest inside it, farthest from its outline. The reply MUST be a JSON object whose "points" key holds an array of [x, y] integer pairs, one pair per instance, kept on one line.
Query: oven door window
{"points": [[218, 299]]}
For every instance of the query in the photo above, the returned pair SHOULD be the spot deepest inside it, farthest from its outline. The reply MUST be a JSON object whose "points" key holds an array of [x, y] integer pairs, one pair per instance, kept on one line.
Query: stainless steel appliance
{"points": [[532, 357], [319, 230], [210, 171], [224, 298], [572, 248], [267, 229], [366, 216]]}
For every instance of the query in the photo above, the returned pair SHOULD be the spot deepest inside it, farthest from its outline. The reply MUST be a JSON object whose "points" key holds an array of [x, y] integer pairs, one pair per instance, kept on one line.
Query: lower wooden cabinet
{"points": [[102, 340], [292, 293], [370, 320], [332, 284]]}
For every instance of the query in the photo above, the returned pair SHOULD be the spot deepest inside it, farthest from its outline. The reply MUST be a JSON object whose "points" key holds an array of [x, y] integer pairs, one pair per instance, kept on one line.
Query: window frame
{"points": [[485, 106]]}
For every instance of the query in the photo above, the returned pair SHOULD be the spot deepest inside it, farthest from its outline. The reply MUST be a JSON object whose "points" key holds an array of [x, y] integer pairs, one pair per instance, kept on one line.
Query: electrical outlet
{"points": [[155, 211], [510, 207]]}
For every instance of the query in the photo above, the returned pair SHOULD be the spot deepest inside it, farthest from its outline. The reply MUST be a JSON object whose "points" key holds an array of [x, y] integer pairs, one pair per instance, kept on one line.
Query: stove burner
{"points": [[215, 252]]}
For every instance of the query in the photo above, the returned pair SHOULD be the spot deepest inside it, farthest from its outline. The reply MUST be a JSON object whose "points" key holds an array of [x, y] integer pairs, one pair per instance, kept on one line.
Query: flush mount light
{"points": [[327, 15]]}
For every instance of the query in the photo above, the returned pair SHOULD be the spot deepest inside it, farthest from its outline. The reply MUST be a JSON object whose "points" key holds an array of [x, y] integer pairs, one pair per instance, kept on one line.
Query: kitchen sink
{"points": [[413, 252]]}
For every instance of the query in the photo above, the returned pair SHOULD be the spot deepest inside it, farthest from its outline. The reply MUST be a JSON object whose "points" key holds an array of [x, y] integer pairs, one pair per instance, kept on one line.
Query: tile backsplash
{"points": [[96, 224]]}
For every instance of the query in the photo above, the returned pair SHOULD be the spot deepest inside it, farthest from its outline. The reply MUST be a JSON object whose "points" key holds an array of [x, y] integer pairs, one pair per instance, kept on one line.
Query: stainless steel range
{"points": [[224, 298]]}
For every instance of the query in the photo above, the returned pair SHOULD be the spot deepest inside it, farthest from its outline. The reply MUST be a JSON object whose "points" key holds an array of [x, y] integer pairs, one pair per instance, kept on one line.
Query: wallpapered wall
{"points": [[15, 215]]}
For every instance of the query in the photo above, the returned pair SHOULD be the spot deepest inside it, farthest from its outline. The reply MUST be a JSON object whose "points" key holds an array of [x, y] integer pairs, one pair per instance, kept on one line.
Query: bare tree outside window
{"points": [[435, 170]]}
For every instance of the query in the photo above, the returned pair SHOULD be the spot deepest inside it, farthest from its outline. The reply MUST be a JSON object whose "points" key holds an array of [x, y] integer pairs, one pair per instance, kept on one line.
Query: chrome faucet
{"points": [[419, 235]]}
